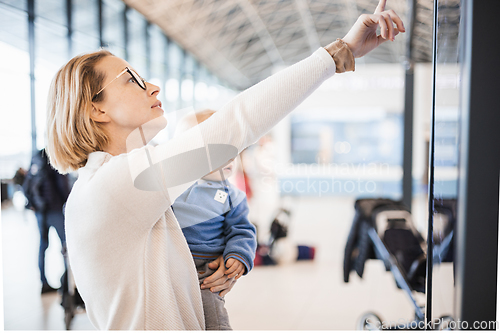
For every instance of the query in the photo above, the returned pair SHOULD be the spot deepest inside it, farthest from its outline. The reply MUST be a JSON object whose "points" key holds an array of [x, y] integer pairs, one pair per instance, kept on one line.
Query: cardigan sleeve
{"points": [[173, 166]]}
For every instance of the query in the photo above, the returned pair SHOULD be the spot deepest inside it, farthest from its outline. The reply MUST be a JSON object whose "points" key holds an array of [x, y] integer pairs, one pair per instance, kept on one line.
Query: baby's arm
{"points": [[235, 268], [240, 239]]}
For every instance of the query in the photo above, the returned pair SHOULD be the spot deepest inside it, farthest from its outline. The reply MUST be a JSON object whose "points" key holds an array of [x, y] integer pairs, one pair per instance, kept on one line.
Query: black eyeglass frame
{"points": [[138, 79]]}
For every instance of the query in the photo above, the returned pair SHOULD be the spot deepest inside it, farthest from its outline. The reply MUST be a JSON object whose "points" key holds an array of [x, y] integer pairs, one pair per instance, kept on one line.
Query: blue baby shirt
{"points": [[214, 220]]}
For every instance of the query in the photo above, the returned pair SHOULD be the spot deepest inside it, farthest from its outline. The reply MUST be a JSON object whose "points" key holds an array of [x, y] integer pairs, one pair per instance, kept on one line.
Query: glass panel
{"points": [[137, 41], [83, 43], [14, 27], [157, 55], [175, 57], [19, 4], [85, 17], [85, 27], [173, 86], [113, 27], [15, 117], [50, 41], [446, 130], [368, 139], [189, 64], [51, 51], [52, 10]]}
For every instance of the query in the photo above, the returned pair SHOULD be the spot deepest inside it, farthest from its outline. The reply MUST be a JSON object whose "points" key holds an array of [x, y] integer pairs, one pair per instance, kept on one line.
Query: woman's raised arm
{"points": [[175, 164]]}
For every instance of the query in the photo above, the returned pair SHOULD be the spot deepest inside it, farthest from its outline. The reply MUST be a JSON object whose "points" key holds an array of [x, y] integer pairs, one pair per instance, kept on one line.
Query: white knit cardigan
{"points": [[130, 261]]}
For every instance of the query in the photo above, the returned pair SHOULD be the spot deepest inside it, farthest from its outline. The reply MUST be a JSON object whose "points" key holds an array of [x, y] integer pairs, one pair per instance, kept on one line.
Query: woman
{"points": [[130, 260]]}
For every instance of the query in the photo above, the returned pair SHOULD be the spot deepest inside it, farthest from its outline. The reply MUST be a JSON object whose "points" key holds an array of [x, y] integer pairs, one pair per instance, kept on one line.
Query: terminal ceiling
{"points": [[244, 41]]}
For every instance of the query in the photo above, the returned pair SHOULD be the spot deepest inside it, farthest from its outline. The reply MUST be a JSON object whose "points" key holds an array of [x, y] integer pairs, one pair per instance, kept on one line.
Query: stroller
{"points": [[270, 253], [278, 230], [445, 215], [383, 229]]}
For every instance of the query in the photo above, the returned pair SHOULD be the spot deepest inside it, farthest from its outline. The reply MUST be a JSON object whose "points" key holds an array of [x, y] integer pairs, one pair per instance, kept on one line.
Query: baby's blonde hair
{"points": [[72, 134]]}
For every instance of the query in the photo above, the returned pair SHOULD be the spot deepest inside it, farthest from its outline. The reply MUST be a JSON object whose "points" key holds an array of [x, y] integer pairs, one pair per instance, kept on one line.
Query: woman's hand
{"points": [[362, 38], [219, 280]]}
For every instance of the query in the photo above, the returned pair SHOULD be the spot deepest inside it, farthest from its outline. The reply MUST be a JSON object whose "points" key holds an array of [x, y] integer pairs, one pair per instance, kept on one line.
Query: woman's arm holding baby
{"points": [[218, 281]]}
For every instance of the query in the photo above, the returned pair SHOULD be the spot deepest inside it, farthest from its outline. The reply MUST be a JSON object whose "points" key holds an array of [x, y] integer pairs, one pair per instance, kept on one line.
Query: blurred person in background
{"points": [[47, 191], [260, 162]]}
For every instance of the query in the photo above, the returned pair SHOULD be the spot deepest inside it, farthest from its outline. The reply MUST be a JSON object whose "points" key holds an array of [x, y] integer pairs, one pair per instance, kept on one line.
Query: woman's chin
{"points": [[156, 124]]}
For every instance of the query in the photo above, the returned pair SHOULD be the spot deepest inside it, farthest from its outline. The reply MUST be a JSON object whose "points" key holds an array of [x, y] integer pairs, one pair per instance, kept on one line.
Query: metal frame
{"points": [[430, 224], [396, 270]]}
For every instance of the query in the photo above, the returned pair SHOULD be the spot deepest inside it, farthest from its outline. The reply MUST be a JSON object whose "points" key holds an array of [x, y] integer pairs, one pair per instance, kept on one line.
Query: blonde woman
{"points": [[129, 257]]}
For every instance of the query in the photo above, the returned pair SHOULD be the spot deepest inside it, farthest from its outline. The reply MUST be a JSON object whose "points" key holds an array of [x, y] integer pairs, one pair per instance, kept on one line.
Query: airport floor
{"points": [[296, 296]]}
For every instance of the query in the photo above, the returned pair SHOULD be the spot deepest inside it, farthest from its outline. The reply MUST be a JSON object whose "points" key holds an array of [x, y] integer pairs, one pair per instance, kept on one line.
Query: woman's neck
{"points": [[115, 150], [117, 143]]}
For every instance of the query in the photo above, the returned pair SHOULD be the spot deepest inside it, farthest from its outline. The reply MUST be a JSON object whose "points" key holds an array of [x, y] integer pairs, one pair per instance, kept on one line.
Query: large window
{"points": [[445, 160], [124, 31], [52, 10], [113, 27], [15, 120], [136, 48], [158, 68], [85, 26], [51, 51]]}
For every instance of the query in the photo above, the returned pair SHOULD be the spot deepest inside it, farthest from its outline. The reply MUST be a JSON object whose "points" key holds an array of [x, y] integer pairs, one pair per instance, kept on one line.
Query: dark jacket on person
{"points": [[44, 187]]}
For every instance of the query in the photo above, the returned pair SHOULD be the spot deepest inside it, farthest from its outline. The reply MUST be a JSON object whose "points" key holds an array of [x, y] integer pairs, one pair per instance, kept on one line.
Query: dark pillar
{"points": [[148, 49], [196, 78], [100, 23], [125, 31], [166, 73], [182, 76], [31, 41], [408, 111], [478, 196], [69, 23]]}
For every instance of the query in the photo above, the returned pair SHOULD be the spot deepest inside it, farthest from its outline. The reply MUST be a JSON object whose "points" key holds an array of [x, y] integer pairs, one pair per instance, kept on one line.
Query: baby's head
{"points": [[191, 121]]}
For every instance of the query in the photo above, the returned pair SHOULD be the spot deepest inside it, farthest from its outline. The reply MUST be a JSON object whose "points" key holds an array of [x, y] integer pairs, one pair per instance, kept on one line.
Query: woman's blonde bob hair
{"points": [[72, 134]]}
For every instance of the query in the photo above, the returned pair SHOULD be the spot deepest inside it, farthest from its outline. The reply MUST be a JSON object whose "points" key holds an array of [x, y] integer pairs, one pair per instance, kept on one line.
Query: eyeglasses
{"points": [[137, 78]]}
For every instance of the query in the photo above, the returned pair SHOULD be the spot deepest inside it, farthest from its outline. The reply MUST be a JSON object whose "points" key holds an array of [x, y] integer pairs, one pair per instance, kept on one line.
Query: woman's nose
{"points": [[152, 89]]}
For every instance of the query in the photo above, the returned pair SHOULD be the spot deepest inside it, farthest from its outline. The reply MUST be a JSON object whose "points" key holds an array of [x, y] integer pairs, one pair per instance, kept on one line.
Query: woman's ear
{"points": [[98, 115]]}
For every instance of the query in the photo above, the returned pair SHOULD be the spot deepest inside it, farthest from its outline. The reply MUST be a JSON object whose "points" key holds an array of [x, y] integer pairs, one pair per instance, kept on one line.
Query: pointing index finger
{"points": [[380, 7], [397, 20]]}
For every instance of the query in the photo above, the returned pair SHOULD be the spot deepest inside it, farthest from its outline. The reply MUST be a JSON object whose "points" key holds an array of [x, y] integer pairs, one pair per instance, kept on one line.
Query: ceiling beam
{"points": [[309, 27], [262, 32]]}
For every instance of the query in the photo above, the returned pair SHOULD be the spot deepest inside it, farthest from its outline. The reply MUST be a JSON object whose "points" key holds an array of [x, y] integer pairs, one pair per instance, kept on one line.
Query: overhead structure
{"points": [[244, 41]]}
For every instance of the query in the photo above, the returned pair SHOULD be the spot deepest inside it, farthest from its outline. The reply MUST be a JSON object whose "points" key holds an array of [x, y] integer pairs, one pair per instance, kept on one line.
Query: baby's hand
{"points": [[235, 268]]}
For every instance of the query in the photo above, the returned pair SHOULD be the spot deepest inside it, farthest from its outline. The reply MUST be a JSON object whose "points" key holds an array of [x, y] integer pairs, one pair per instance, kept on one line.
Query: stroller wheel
{"points": [[444, 323], [68, 317], [369, 322], [69, 311]]}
